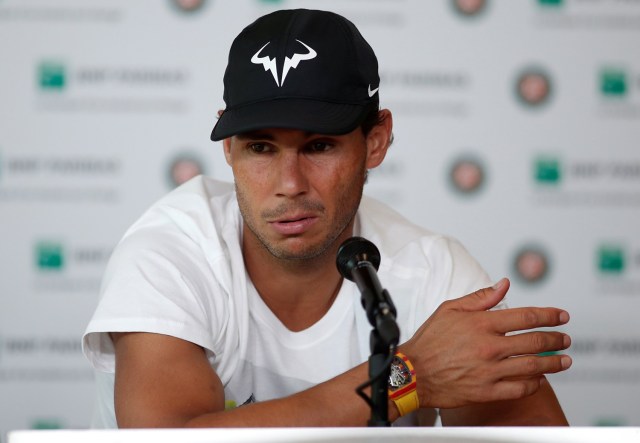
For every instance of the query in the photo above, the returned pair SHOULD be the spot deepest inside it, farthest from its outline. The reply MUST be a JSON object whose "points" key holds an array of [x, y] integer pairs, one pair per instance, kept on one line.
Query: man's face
{"points": [[298, 192]]}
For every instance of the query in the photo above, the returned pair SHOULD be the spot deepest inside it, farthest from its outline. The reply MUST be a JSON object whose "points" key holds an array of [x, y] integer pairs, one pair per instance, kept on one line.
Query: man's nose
{"points": [[291, 174]]}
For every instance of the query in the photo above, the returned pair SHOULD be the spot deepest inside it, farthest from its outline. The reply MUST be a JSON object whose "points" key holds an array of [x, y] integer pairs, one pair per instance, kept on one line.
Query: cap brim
{"points": [[307, 115]]}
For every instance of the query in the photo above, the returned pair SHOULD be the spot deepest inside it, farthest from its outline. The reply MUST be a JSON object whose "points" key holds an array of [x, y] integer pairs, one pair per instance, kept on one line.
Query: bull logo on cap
{"points": [[270, 63]]}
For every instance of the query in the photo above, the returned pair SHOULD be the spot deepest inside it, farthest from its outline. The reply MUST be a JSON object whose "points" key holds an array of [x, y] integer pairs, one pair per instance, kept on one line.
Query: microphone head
{"points": [[355, 250]]}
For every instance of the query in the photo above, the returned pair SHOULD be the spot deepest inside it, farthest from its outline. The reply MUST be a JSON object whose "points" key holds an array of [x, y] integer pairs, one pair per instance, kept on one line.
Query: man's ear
{"points": [[379, 139], [226, 145]]}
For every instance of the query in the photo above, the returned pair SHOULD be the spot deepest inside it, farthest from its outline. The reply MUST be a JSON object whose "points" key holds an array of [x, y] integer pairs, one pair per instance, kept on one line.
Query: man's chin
{"points": [[296, 250]]}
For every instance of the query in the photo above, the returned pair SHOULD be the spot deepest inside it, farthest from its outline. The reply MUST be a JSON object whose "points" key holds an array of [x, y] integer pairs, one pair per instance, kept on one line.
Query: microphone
{"points": [[358, 260]]}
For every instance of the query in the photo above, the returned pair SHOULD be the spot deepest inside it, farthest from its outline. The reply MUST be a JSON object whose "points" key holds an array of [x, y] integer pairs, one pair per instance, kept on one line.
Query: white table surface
{"points": [[347, 435]]}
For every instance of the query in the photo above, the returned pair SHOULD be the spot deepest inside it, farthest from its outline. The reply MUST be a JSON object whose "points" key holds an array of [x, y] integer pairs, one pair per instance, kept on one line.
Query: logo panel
{"points": [[531, 264], [183, 167], [613, 82], [469, 8], [49, 256], [467, 175], [269, 64], [547, 170], [52, 76], [611, 259], [533, 87]]}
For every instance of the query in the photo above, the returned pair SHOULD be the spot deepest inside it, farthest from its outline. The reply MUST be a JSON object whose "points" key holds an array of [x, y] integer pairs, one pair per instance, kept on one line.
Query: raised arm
{"points": [[479, 371], [467, 364]]}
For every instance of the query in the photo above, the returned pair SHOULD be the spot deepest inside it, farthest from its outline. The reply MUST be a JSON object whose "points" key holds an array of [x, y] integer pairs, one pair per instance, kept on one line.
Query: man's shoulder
{"points": [[198, 189], [201, 213], [405, 244], [380, 222], [201, 203]]}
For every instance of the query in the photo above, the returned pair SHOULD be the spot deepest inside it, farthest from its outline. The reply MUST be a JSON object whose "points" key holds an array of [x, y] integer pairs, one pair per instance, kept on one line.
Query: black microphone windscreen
{"points": [[353, 251]]}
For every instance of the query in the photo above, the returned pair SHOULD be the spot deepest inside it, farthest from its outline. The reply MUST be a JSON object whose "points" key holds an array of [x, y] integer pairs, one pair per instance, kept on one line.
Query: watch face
{"points": [[400, 374]]}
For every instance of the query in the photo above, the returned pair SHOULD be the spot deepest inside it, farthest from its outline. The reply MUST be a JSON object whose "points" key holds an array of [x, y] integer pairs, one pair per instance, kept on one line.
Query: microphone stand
{"points": [[382, 341], [379, 371], [358, 260]]}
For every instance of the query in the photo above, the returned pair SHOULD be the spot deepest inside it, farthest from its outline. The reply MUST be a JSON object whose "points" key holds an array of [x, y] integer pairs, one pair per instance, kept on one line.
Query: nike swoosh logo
{"points": [[372, 92]]}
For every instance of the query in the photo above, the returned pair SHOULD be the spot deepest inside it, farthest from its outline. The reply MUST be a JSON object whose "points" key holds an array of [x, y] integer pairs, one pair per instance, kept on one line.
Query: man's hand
{"points": [[464, 354], [462, 357]]}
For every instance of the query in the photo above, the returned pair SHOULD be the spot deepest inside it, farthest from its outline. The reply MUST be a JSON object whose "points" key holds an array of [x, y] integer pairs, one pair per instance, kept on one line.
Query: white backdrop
{"points": [[516, 124]]}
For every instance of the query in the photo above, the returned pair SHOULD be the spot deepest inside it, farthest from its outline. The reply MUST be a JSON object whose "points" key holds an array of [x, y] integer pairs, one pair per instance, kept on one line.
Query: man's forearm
{"points": [[332, 403], [539, 409]]}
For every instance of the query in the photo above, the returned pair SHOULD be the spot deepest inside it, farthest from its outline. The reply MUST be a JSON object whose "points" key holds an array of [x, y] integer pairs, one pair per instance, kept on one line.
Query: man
{"points": [[222, 305]]}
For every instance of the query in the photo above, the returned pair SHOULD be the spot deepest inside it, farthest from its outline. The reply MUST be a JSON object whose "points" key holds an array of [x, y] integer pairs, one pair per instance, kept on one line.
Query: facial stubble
{"points": [[347, 205]]}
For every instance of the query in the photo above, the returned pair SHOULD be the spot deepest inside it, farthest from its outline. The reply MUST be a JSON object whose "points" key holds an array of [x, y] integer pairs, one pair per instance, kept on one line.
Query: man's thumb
{"points": [[484, 299]]}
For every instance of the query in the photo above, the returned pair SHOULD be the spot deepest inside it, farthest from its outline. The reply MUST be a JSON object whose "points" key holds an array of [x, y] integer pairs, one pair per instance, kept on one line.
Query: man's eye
{"points": [[319, 146], [258, 148]]}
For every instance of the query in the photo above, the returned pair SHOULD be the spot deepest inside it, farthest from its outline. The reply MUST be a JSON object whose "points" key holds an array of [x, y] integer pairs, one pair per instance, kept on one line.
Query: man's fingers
{"points": [[534, 343], [515, 389], [528, 366], [482, 299], [519, 319]]}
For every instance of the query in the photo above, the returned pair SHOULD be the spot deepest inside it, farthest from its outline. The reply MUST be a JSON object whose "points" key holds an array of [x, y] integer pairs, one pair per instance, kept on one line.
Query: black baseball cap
{"points": [[298, 69]]}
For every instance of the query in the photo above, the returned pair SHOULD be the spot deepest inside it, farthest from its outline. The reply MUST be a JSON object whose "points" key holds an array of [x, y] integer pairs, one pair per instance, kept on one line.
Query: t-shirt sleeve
{"points": [[156, 281]]}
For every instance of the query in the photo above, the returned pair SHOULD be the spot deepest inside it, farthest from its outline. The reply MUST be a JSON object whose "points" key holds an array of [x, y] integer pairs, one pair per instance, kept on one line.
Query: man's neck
{"points": [[298, 292]]}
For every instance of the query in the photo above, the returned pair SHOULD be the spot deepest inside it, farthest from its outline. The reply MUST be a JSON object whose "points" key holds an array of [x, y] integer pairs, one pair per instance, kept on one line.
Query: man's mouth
{"points": [[293, 225]]}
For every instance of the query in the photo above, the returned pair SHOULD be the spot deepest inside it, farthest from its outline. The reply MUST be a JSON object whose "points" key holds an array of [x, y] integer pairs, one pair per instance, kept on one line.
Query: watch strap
{"points": [[405, 397]]}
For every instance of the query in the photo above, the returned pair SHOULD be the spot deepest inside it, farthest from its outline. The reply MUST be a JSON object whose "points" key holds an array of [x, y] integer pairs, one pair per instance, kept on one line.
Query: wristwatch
{"points": [[402, 384]]}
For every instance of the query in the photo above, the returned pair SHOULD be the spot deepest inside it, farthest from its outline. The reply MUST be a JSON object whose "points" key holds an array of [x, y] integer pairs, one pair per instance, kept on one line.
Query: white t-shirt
{"points": [[179, 271]]}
